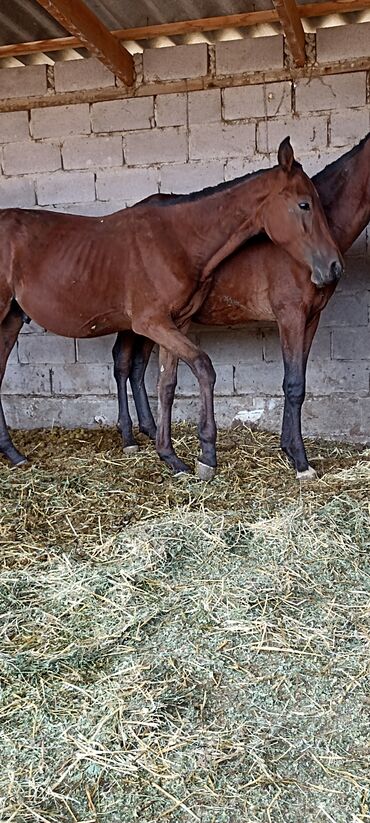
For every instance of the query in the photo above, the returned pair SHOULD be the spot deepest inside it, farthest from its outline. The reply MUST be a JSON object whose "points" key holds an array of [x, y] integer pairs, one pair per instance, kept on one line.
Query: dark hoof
{"points": [[203, 471]]}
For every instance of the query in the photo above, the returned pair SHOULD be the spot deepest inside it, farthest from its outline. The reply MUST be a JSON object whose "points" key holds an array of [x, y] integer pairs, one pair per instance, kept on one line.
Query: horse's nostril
{"points": [[336, 269]]}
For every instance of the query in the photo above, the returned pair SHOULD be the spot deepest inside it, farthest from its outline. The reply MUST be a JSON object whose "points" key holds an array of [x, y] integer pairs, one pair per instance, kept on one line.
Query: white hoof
{"points": [[309, 474], [203, 471], [131, 449]]}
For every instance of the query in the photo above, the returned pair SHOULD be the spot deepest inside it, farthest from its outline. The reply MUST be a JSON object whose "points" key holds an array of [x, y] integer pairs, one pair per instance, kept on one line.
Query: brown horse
{"points": [[149, 268], [260, 282]]}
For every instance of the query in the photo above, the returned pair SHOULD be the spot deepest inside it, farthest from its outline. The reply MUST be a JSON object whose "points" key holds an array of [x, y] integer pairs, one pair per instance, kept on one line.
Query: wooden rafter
{"points": [[291, 24], [253, 18], [90, 32]]}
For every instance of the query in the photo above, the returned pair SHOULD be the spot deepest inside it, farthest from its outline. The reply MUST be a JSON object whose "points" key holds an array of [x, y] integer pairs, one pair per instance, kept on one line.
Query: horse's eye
{"points": [[304, 206]]}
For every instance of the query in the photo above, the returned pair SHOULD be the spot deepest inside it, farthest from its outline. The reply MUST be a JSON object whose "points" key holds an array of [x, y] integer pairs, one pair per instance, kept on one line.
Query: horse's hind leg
{"points": [[10, 327], [143, 348], [165, 333], [122, 358]]}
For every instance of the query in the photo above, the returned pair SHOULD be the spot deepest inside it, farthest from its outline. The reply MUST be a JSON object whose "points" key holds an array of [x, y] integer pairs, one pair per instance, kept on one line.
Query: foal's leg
{"points": [[170, 338], [296, 339], [10, 327], [122, 359], [131, 353], [143, 348]]}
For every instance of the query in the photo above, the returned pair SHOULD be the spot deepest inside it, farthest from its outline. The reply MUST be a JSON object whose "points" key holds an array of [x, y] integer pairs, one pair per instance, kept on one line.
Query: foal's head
{"points": [[293, 218]]}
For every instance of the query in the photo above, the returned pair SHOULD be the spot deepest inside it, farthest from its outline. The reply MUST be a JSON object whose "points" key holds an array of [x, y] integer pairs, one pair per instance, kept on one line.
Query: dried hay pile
{"points": [[174, 651]]}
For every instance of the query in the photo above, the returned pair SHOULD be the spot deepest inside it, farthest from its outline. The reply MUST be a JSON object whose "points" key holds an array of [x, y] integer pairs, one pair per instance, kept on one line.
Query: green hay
{"points": [[177, 651]]}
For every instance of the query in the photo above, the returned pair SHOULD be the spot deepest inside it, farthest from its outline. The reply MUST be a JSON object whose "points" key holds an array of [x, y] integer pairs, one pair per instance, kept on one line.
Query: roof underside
{"points": [[23, 22]]}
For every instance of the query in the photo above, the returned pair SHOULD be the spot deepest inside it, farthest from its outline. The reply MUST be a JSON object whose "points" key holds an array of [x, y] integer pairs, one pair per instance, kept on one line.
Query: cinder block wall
{"points": [[92, 152]]}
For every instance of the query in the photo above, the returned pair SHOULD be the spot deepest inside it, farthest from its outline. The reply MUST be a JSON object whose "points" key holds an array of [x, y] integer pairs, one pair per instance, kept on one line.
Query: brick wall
{"points": [[97, 152]]}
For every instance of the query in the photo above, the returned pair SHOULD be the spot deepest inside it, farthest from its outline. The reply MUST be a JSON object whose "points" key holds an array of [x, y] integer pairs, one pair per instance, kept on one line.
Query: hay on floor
{"points": [[177, 651]]}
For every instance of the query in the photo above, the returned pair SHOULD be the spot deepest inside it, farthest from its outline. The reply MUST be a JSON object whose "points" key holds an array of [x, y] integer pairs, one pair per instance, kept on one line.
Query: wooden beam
{"points": [[90, 32], [253, 18], [291, 24]]}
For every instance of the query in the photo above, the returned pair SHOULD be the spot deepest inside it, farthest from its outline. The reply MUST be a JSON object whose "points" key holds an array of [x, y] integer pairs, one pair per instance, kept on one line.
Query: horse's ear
{"points": [[286, 155]]}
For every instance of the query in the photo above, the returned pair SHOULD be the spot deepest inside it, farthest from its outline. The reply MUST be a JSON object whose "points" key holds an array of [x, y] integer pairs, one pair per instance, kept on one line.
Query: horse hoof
{"points": [[203, 471], [21, 462], [309, 474], [131, 449]]}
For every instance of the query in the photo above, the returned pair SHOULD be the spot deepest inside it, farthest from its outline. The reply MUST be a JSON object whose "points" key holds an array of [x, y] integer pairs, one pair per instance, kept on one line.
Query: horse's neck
{"points": [[345, 195], [219, 222]]}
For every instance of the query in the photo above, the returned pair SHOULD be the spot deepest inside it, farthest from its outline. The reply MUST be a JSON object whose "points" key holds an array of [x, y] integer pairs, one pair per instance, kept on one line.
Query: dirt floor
{"points": [[176, 651]]}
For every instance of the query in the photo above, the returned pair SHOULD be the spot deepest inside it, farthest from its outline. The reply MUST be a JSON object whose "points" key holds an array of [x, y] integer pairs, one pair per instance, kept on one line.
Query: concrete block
{"points": [[327, 377], [305, 133], [168, 145], [346, 130], [17, 192], [351, 344], [45, 349], [261, 100], [76, 75], [341, 43], [127, 185], [60, 121], [204, 106], [13, 126], [89, 152], [250, 54], [239, 166], [123, 115], [171, 109], [221, 141], [28, 158], [337, 416], [97, 350], [27, 380], [257, 379], [232, 346], [64, 187], [189, 177], [29, 81], [69, 412], [175, 63], [336, 91], [345, 310], [317, 159], [188, 386], [98, 208], [356, 276], [82, 378], [320, 346]]}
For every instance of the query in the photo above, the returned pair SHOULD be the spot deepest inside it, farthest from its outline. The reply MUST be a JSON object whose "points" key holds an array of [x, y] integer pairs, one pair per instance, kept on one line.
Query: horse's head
{"points": [[293, 218]]}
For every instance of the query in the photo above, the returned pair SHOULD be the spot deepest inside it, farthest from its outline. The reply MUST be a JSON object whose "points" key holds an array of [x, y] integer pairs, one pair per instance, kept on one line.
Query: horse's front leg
{"points": [[296, 336]]}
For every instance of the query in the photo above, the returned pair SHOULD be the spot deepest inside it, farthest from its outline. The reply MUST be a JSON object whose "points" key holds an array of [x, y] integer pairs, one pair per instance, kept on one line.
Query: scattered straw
{"points": [[176, 651]]}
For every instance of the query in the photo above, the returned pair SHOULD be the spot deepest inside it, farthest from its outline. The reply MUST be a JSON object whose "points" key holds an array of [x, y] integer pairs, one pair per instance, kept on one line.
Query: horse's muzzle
{"points": [[325, 276]]}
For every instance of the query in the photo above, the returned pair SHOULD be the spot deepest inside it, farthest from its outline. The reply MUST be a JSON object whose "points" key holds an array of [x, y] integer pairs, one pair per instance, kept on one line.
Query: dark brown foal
{"points": [[149, 268]]}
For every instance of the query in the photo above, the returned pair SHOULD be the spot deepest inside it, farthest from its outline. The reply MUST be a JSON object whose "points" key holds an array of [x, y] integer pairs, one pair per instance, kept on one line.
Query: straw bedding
{"points": [[177, 651]]}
